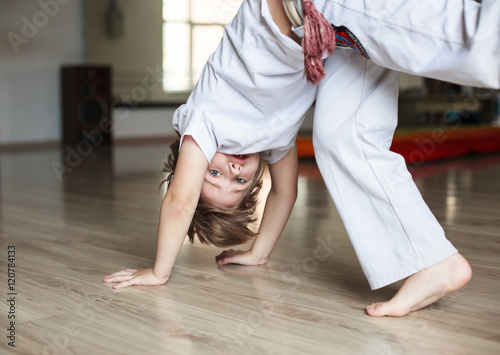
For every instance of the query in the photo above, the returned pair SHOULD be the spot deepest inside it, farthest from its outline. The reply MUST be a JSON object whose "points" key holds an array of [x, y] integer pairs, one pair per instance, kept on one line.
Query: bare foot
{"points": [[425, 287]]}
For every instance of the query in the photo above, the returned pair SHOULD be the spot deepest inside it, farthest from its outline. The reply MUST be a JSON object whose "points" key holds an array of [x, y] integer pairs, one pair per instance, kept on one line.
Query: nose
{"points": [[235, 167]]}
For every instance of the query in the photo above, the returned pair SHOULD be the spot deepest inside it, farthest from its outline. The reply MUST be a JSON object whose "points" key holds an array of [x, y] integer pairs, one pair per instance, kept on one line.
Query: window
{"points": [[192, 29]]}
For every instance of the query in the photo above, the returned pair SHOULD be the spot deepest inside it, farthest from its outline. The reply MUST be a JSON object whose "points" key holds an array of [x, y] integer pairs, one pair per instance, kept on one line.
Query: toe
{"points": [[374, 310]]}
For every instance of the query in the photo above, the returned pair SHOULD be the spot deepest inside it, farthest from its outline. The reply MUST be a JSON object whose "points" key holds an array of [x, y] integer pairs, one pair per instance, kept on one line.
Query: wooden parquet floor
{"points": [[71, 225]]}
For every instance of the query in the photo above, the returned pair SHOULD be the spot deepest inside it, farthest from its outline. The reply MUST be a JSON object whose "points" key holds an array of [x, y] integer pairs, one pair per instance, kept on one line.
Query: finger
{"points": [[229, 259], [224, 254], [118, 278], [221, 255], [124, 284], [222, 261], [123, 272]]}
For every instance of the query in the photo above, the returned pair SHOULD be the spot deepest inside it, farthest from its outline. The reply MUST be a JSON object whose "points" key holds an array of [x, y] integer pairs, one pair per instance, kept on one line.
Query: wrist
{"points": [[160, 275], [260, 256]]}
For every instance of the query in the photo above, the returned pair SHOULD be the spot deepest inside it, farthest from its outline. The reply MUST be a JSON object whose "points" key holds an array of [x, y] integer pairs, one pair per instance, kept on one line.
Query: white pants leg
{"points": [[451, 40], [391, 228]]}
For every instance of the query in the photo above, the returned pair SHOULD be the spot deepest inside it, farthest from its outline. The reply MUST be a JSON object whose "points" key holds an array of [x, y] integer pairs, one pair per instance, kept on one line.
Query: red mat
{"points": [[434, 144]]}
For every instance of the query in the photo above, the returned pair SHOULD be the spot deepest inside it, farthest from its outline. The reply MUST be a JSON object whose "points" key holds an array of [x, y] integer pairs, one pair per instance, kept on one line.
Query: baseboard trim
{"points": [[144, 140], [27, 146]]}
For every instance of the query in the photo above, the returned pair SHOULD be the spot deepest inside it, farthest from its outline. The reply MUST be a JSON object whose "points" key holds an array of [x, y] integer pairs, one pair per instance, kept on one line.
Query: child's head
{"points": [[228, 198], [228, 178]]}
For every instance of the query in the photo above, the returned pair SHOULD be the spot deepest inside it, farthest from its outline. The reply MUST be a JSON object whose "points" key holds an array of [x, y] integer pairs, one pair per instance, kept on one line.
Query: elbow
{"points": [[177, 207], [288, 194]]}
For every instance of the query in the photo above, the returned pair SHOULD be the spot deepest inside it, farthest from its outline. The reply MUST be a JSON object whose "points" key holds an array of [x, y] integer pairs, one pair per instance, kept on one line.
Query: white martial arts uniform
{"points": [[252, 97], [390, 227], [451, 40]]}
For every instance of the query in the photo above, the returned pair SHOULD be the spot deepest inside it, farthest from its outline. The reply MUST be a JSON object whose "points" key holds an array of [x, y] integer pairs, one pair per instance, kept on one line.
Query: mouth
{"points": [[240, 158]]}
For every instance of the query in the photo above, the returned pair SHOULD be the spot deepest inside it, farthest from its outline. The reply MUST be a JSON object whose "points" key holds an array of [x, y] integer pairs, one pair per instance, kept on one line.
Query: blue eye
{"points": [[240, 180], [214, 172]]}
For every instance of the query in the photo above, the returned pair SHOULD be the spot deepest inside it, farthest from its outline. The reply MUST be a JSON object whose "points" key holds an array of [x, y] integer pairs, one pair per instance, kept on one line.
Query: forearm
{"points": [[276, 213], [173, 226], [278, 206], [178, 206]]}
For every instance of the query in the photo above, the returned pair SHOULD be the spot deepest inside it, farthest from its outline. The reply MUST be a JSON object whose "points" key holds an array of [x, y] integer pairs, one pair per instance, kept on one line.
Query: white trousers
{"points": [[451, 40], [390, 226]]}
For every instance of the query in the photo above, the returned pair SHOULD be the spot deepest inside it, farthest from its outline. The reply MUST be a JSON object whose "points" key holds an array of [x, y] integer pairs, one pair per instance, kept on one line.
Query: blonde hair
{"points": [[220, 226]]}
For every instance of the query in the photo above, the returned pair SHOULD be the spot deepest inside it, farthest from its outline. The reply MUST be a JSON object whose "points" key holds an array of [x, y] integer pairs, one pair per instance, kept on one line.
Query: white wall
{"points": [[139, 45], [36, 37], [136, 53]]}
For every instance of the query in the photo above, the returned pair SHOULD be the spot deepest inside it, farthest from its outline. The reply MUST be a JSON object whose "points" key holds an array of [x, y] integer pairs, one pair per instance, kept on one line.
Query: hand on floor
{"points": [[133, 277], [241, 257]]}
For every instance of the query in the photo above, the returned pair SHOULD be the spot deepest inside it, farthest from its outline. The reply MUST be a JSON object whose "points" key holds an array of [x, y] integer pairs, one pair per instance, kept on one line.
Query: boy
{"points": [[239, 107], [181, 200], [368, 87]]}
